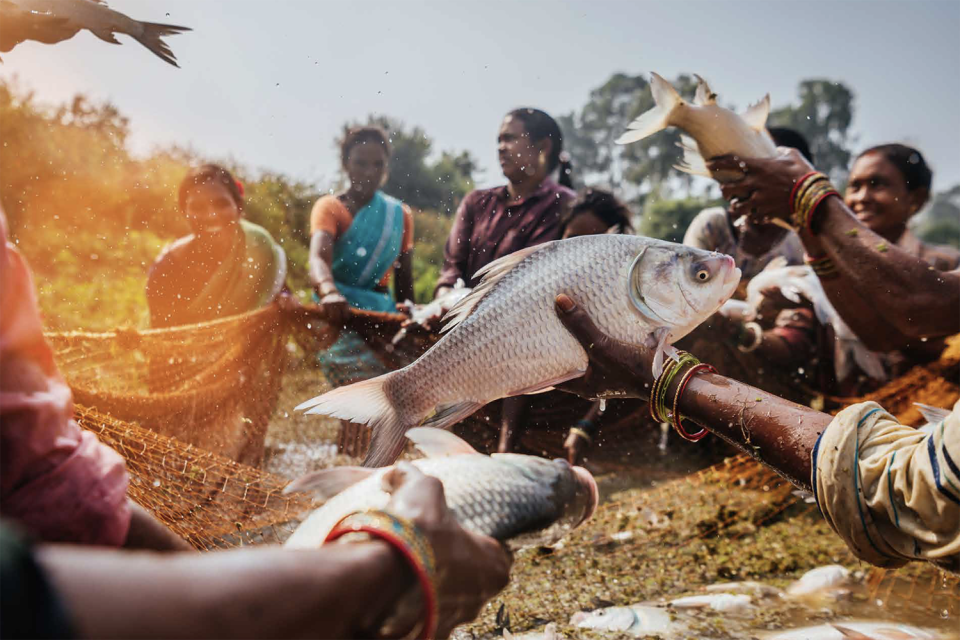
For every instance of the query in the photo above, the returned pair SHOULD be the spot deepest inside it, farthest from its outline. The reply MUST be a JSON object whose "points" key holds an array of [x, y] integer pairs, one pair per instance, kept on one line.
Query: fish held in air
{"points": [[711, 129], [63, 18], [518, 499], [505, 339]]}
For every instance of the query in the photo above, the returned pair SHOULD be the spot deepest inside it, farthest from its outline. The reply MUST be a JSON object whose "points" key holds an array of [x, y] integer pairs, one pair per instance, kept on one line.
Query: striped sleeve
{"points": [[890, 491]]}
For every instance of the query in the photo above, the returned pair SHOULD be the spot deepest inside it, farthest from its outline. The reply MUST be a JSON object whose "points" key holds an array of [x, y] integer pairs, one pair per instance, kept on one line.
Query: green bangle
{"points": [[662, 391]]}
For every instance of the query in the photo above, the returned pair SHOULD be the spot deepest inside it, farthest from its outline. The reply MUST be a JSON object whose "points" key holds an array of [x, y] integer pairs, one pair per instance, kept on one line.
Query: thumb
{"points": [[576, 320], [399, 474]]}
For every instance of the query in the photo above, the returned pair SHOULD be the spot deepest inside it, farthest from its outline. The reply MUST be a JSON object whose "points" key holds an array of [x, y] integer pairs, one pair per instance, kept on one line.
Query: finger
{"points": [[577, 322], [397, 476]]}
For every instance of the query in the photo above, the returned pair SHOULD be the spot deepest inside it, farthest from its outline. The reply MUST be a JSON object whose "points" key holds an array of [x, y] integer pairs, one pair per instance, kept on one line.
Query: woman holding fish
{"points": [[889, 490]]}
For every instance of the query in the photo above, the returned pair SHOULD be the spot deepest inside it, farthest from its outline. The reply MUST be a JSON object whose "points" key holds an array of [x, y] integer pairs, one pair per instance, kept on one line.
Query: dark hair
{"points": [[539, 125], [210, 174], [363, 135], [602, 204], [786, 137], [908, 161]]}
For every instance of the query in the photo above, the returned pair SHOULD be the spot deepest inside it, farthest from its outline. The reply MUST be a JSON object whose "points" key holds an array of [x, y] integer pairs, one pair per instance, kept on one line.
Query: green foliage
{"points": [[417, 180], [939, 223], [823, 116], [430, 233], [669, 219]]}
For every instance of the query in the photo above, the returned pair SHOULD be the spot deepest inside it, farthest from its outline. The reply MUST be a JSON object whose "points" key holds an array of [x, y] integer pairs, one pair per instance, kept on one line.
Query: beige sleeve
{"points": [[890, 491]]}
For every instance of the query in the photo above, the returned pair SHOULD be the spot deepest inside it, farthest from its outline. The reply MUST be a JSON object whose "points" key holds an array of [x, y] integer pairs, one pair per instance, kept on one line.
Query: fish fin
{"points": [[661, 334], [491, 274], [850, 634], [447, 415], [756, 114], [547, 385], [327, 483], [614, 230], [151, 39], [933, 415], [106, 36], [437, 443], [869, 362], [705, 95], [667, 99], [693, 162], [366, 402]]}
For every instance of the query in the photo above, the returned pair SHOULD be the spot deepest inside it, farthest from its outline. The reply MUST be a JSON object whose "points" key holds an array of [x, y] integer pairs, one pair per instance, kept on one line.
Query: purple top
{"points": [[489, 226]]}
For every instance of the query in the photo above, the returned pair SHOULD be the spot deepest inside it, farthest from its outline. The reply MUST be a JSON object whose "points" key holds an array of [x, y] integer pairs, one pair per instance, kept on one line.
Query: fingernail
{"points": [[565, 303]]}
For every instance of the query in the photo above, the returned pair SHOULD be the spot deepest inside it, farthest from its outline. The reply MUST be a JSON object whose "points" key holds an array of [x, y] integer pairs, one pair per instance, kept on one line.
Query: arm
{"points": [[457, 249], [321, 275], [887, 296], [148, 533], [404, 275], [777, 432]]}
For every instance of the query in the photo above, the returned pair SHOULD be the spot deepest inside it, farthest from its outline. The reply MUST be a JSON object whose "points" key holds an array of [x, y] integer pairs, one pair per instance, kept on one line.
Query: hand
{"points": [[615, 369], [575, 445], [471, 568], [763, 194], [335, 308]]}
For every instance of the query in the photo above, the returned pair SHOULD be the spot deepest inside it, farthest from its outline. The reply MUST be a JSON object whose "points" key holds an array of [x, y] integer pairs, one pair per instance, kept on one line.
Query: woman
{"points": [[890, 491], [346, 588], [227, 266], [874, 271], [358, 238], [492, 223]]}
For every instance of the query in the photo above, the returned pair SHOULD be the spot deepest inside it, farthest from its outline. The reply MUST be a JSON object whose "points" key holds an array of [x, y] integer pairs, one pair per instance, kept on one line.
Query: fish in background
{"points": [[505, 339], [51, 21], [518, 499]]}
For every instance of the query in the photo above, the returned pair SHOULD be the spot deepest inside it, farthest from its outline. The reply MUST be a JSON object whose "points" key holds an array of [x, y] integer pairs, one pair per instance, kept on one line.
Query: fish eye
{"points": [[703, 275]]}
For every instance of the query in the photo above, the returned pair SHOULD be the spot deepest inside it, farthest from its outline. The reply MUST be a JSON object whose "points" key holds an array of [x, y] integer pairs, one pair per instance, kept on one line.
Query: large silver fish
{"points": [[56, 20], [505, 339], [510, 497], [712, 130]]}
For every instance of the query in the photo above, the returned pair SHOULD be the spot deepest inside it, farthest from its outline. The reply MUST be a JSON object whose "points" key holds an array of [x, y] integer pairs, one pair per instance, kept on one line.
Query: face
{"points": [[585, 223], [366, 168], [877, 194], [704, 280], [210, 207], [520, 159]]}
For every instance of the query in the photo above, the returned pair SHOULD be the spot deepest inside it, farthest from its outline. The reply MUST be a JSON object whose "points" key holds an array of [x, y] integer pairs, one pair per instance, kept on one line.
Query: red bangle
{"points": [[793, 192], [405, 538], [678, 422]]}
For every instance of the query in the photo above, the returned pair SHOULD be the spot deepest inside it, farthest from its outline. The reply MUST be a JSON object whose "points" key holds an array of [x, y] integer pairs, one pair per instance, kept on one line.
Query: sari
{"points": [[361, 258]]}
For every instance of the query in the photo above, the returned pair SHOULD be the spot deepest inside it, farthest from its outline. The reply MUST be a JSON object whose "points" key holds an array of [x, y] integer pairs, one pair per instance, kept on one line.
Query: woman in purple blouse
{"points": [[492, 223]]}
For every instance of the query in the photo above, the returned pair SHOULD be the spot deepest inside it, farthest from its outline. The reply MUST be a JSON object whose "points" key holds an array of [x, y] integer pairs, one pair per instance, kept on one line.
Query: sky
{"points": [[270, 84]]}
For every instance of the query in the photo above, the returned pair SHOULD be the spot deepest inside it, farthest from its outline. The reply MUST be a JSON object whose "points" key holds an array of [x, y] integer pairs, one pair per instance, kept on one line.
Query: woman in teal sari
{"points": [[358, 238]]}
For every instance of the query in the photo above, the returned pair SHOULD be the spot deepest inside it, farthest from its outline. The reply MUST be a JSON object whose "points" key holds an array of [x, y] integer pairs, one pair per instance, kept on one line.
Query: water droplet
{"points": [[362, 251], [603, 404]]}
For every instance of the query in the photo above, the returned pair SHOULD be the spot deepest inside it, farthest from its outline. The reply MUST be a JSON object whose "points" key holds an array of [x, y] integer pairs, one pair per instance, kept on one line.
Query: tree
{"points": [[669, 219], [439, 184], [939, 223], [823, 117]]}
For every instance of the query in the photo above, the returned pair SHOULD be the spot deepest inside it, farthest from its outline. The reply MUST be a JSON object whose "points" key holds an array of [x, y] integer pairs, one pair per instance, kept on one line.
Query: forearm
{"points": [[321, 261], [148, 533], [250, 593], [897, 283], [404, 275], [777, 432]]}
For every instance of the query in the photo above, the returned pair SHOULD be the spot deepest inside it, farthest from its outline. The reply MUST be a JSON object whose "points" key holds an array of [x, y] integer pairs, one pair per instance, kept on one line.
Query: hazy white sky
{"points": [[270, 83]]}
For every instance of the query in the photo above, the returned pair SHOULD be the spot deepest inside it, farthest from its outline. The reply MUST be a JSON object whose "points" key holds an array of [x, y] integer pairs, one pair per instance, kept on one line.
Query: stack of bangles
{"points": [[582, 429], [409, 541], [822, 266], [690, 366], [807, 194]]}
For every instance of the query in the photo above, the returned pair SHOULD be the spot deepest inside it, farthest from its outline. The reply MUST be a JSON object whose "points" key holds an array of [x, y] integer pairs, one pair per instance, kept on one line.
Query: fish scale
{"points": [[505, 338]]}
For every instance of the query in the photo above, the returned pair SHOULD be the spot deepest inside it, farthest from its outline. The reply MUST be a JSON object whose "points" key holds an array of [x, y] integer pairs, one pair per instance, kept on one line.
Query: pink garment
{"points": [[57, 481]]}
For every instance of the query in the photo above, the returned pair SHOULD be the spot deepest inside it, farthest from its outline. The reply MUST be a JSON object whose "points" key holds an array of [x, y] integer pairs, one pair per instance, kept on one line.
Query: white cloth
{"points": [[890, 491]]}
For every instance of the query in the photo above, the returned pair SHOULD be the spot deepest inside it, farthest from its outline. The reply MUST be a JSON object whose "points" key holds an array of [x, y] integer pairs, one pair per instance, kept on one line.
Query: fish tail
{"points": [[667, 100], [151, 38]]}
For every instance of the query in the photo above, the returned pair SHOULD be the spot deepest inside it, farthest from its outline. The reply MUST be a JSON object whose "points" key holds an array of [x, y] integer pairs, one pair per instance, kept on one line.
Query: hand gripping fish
{"points": [[52, 21], [505, 339]]}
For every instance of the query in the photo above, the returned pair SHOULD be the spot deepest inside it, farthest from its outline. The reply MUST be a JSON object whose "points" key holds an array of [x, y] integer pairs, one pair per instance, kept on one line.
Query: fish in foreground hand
{"points": [[505, 338], [52, 21], [711, 130], [518, 499]]}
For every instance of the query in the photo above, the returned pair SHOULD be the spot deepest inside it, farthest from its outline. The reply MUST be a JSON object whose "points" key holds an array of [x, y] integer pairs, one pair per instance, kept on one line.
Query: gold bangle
{"points": [[583, 434]]}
